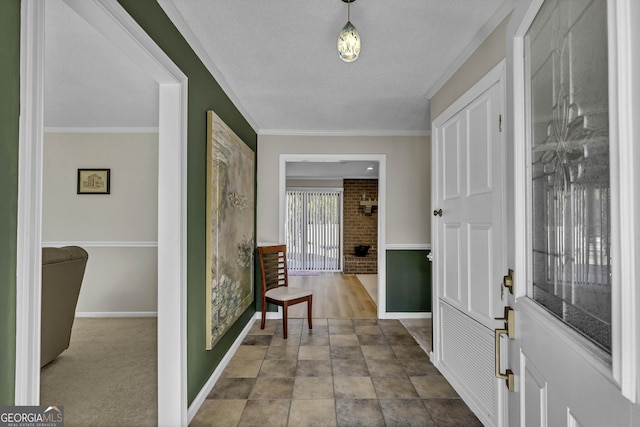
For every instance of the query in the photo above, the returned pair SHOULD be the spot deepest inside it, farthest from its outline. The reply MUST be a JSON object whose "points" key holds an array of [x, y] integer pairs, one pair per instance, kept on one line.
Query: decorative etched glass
{"points": [[568, 126]]}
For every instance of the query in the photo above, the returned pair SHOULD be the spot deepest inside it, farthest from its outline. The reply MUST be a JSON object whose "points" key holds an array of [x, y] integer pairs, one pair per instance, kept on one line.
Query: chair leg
{"points": [[285, 309], [309, 303], [264, 313]]}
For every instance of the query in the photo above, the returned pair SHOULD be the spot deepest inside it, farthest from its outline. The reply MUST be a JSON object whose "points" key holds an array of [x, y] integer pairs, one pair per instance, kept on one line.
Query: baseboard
{"points": [[117, 314], [407, 315], [208, 386], [271, 315], [408, 247]]}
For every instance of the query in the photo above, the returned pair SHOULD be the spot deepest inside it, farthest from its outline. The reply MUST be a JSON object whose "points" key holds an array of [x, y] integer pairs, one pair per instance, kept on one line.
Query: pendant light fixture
{"points": [[349, 39]]}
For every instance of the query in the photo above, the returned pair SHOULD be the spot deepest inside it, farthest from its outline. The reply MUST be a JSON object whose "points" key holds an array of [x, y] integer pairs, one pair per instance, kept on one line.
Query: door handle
{"points": [[510, 331], [437, 212]]}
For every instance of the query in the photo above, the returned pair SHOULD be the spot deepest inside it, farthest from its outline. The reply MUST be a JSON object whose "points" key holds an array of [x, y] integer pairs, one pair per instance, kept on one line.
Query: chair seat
{"points": [[287, 293], [275, 289]]}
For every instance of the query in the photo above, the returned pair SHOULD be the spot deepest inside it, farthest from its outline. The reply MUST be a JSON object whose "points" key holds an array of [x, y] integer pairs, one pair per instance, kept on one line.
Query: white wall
{"points": [[408, 179], [118, 230]]}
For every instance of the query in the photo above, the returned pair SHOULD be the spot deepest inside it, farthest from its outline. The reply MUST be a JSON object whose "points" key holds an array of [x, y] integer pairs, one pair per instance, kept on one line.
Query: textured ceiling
{"points": [[88, 81], [278, 62], [279, 58]]}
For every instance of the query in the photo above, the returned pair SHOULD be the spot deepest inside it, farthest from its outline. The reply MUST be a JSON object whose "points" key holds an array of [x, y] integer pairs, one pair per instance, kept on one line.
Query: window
{"points": [[566, 61], [313, 230]]}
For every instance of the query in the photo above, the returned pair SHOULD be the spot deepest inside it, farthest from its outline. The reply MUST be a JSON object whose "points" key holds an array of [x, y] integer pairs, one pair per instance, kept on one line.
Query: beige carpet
{"points": [[108, 376]]}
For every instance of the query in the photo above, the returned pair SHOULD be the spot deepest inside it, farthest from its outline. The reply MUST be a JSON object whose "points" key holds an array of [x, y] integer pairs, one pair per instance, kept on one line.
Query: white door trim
{"points": [[29, 238], [623, 117], [488, 80], [382, 188], [109, 18]]}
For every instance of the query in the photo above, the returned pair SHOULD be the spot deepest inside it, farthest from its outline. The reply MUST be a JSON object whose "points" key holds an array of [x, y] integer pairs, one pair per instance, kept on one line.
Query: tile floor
{"points": [[343, 372]]}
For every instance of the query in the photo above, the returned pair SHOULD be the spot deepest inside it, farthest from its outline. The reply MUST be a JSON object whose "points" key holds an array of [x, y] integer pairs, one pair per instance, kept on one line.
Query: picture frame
{"points": [[230, 244], [94, 181]]}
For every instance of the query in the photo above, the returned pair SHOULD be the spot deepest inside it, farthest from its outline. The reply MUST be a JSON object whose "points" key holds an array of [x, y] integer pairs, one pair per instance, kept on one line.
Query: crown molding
{"points": [[505, 9], [56, 129], [178, 20], [291, 132]]}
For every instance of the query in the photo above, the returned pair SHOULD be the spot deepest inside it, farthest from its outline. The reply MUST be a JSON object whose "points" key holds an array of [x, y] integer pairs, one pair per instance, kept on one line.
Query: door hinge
{"points": [[500, 123]]}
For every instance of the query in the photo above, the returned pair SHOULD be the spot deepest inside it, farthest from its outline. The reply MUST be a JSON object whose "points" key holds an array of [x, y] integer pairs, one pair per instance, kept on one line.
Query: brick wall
{"points": [[360, 228]]}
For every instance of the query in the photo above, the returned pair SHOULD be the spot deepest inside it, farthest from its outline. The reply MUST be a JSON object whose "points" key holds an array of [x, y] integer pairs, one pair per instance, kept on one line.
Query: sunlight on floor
{"points": [[370, 283]]}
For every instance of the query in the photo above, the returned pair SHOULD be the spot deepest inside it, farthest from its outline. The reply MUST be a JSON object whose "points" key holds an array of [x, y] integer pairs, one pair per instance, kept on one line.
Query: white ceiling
{"points": [[88, 81], [278, 63]]}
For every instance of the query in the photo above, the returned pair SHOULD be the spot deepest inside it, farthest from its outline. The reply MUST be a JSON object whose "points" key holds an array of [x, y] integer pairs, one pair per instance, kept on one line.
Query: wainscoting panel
{"points": [[121, 277], [408, 280]]}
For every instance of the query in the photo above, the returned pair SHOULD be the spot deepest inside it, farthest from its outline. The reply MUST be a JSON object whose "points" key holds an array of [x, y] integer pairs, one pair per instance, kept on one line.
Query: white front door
{"points": [[469, 247], [575, 353]]}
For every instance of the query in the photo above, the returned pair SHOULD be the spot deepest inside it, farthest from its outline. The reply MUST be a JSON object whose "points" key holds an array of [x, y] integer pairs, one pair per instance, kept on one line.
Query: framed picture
{"points": [[94, 181], [230, 232]]}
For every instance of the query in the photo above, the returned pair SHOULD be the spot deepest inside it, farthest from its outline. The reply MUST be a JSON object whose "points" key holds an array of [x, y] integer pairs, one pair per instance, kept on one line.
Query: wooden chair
{"points": [[275, 284]]}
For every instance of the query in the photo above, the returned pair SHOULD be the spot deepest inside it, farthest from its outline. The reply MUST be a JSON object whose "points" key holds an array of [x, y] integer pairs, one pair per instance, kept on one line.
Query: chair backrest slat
{"points": [[273, 266]]}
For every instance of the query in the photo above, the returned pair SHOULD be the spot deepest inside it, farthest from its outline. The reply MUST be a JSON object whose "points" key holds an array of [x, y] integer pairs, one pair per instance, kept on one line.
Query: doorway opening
{"points": [[323, 251], [115, 24]]}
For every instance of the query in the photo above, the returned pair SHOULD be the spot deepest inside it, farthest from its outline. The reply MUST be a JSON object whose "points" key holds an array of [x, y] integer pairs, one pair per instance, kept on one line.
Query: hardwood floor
{"points": [[335, 295]]}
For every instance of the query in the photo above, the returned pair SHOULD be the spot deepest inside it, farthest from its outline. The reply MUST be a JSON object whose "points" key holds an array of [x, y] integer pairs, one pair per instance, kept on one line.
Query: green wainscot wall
{"points": [[408, 281], [9, 143], [204, 94]]}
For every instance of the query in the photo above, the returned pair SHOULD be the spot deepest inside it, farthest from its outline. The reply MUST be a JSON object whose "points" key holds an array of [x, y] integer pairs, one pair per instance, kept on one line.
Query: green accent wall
{"points": [[408, 281], [204, 94], [9, 143]]}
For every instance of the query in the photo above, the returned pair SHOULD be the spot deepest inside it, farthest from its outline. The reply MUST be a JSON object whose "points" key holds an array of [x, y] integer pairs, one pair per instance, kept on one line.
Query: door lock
{"points": [[509, 330], [507, 281]]}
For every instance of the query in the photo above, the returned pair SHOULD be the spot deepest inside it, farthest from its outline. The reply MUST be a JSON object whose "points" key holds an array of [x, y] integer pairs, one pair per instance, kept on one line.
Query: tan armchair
{"points": [[62, 273]]}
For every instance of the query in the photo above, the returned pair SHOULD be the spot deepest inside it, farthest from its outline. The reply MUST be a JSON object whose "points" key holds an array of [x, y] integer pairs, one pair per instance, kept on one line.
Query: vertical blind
{"points": [[313, 230]]}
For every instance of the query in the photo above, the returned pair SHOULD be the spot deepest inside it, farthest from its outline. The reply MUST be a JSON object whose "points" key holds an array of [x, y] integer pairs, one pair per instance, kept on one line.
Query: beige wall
{"points": [[408, 180], [488, 55], [314, 183], [121, 274]]}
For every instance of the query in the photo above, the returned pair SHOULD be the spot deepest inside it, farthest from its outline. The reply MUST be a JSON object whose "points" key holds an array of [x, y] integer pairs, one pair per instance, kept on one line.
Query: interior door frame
{"points": [[110, 19], [624, 103], [382, 189], [496, 75]]}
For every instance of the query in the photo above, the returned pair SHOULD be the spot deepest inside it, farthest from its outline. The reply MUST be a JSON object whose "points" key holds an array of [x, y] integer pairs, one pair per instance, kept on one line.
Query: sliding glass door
{"points": [[313, 229]]}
